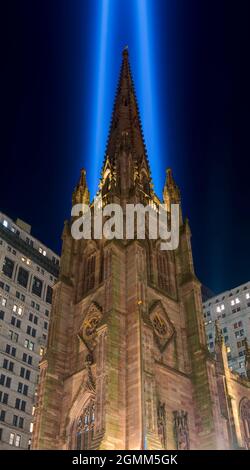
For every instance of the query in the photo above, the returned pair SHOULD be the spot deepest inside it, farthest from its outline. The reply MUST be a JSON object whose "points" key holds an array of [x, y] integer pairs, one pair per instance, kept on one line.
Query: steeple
{"points": [[81, 192], [171, 193], [125, 118], [126, 151]]}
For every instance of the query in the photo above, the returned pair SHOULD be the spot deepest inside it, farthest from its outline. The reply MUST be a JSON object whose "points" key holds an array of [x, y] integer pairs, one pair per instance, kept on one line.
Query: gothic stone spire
{"points": [[125, 140], [81, 192]]}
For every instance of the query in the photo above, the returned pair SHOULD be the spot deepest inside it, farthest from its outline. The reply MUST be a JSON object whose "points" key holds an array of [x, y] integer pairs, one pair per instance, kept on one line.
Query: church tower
{"points": [[127, 365]]}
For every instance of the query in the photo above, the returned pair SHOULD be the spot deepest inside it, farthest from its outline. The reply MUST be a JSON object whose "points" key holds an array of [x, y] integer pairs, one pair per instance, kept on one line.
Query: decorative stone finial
{"points": [[218, 333]]}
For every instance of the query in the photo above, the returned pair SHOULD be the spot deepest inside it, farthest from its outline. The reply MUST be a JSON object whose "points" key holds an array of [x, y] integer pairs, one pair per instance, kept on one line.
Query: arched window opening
{"points": [[145, 183], [163, 276], [89, 277], [85, 427], [107, 184]]}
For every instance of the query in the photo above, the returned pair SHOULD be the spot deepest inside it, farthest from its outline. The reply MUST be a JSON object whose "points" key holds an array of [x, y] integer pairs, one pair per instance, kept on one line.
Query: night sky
{"points": [[60, 61]]}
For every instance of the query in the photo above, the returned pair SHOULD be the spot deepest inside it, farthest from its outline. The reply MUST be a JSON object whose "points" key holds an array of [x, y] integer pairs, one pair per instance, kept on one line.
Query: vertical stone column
{"points": [[190, 295], [114, 318], [50, 412], [134, 379], [151, 438]]}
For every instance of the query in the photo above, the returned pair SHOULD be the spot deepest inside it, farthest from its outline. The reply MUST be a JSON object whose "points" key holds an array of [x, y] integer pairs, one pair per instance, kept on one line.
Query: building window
{"points": [[2, 415], [17, 309], [3, 301], [42, 251], [15, 420], [5, 381], [220, 308], [85, 427], [25, 373], [8, 267], [89, 279], [37, 286], [15, 322], [27, 358], [22, 388], [4, 398], [23, 277], [163, 277], [14, 336], [10, 350], [9, 365], [31, 331], [15, 439], [21, 421], [1, 315], [18, 440], [29, 344], [20, 404], [49, 295]]}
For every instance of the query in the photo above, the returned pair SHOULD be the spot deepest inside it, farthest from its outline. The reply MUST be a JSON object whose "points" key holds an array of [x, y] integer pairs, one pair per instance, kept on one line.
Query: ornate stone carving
{"points": [[161, 423], [89, 326], [181, 431], [90, 384], [162, 325]]}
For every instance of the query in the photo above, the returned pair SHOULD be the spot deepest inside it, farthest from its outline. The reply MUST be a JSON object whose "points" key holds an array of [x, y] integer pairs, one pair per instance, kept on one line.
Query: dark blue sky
{"points": [[60, 61]]}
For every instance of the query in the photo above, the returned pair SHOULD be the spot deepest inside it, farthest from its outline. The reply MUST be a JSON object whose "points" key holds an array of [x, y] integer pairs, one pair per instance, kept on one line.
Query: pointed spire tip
{"points": [[125, 51]]}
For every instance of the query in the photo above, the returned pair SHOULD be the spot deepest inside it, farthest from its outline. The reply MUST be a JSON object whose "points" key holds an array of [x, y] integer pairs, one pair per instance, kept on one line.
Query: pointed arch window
{"points": [[89, 275], [145, 182], [163, 275], [85, 427]]}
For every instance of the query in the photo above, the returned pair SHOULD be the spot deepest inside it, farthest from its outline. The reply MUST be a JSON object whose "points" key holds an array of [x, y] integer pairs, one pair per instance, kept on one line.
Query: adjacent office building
{"points": [[232, 310], [28, 270]]}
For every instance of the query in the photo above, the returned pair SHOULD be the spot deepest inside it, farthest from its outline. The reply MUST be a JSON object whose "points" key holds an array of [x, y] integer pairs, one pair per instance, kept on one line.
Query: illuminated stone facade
{"points": [[127, 366]]}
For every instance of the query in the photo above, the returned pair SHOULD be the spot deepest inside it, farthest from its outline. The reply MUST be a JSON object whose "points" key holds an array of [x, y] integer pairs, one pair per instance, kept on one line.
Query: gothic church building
{"points": [[127, 366]]}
